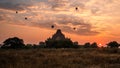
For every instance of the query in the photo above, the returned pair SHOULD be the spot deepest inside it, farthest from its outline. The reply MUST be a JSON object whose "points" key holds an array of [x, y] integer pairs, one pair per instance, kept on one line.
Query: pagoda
{"points": [[58, 35]]}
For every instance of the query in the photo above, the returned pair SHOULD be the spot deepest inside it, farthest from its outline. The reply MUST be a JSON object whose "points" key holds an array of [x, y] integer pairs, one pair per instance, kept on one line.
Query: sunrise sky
{"points": [[95, 20]]}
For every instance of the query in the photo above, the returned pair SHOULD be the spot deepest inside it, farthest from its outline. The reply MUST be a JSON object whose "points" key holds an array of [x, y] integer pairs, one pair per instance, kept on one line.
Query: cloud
{"points": [[83, 29], [15, 4], [1, 18], [11, 6], [59, 5], [67, 23], [62, 14]]}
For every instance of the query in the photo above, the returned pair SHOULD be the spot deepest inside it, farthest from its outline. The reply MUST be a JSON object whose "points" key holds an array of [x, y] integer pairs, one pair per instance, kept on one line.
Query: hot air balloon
{"points": [[76, 8], [74, 28], [16, 12], [52, 26], [26, 18]]}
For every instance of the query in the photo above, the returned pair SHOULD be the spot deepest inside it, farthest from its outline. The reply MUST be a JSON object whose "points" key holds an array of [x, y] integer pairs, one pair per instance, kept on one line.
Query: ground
{"points": [[60, 58]]}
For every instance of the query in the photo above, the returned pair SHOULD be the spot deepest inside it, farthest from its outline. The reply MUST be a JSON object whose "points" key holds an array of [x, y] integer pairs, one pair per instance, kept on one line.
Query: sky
{"points": [[94, 20]]}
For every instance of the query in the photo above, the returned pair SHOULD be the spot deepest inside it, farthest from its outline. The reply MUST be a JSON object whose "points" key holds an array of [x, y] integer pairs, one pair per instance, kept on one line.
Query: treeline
{"points": [[16, 42]]}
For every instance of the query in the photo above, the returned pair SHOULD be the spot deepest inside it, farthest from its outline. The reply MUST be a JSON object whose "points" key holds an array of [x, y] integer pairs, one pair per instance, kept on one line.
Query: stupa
{"points": [[58, 35]]}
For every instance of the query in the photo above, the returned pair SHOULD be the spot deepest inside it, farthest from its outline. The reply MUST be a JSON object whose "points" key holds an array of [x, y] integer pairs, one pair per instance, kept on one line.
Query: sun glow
{"points": [[100, 45]]}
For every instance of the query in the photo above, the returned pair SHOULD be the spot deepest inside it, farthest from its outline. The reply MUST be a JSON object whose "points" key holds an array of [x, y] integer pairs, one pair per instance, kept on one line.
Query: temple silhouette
{"points": [[58, 40], [58, 35]]}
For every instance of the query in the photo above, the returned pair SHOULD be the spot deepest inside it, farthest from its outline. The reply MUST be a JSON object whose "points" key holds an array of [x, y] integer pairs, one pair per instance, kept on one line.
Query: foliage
{"points": [[28, 46], [86, 45], [67, 43], [42, 44], [94, 45], [113, 44], [14, 42]]}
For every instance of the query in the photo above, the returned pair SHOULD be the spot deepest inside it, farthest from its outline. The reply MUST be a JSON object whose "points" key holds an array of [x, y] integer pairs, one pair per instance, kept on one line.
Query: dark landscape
{"points": [[58, 52], [60, 58], [59, 34]]}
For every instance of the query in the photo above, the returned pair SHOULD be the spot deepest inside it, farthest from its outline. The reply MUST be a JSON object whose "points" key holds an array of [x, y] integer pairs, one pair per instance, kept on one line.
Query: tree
{"points": [[28, 46], [94, 45], [42, 44], [14, 42], [113, 44], [86, 45]]}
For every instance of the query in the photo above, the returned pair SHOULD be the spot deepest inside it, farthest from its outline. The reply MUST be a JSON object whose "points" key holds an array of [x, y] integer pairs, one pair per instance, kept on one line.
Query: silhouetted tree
{"points": [[14, 42], [49, 43], [67, 43], [42, 44], [35, 46], [28, 46], [86, 45], [94, 45], [0, 45], [113, 44], [76, 45]]}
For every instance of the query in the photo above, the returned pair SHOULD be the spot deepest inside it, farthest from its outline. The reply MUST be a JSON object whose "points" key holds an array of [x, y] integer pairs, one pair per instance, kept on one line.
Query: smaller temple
{"points": [[58, 35]]}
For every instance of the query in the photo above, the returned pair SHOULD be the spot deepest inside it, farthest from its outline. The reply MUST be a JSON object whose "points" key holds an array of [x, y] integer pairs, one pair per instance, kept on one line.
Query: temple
{"points": [[58, 40], [58, 35]]}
